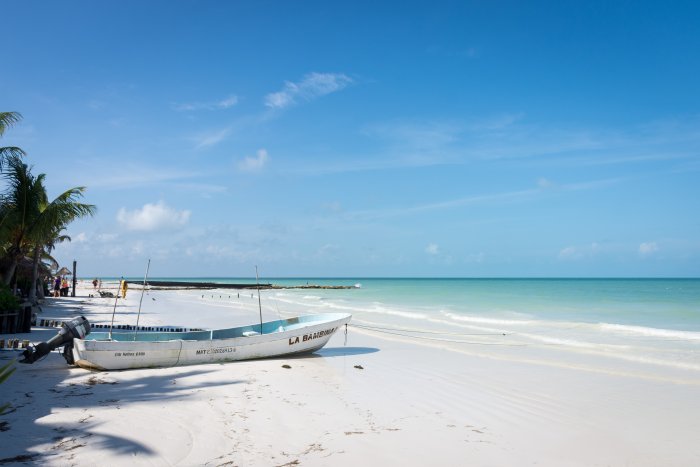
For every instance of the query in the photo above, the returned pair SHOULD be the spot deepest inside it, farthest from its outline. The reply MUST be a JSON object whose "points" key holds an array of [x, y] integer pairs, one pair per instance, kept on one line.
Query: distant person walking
{"points": [[124, 286]]}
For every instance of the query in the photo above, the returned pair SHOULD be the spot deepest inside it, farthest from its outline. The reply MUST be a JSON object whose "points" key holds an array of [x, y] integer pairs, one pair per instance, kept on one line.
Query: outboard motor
{"points": [[77, 328]]}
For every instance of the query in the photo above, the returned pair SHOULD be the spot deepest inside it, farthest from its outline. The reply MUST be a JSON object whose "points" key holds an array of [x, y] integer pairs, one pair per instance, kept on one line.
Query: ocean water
{"points": [[650, 321], [663, 304]]}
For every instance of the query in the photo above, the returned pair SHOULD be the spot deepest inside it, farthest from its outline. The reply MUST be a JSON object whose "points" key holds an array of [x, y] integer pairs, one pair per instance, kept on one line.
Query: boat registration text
{"points": [[311, 336], [215, 351]]}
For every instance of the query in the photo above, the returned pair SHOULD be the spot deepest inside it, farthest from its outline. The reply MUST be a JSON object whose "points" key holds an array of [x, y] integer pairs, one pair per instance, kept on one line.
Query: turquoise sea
{"points": [[641, 321], [662, 304]]}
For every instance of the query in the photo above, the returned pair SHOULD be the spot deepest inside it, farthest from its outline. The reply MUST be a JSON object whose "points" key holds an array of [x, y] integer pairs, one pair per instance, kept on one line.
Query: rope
{"points": [[393, 332], [178, 354], [428, 332]]}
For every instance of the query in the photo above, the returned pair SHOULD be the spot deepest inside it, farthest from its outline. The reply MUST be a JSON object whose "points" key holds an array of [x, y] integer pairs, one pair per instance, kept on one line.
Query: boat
{"points": [[130, 350]]}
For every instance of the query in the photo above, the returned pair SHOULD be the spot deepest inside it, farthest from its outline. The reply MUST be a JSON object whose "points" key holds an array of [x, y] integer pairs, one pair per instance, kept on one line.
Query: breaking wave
{"points": [[650, 332]]}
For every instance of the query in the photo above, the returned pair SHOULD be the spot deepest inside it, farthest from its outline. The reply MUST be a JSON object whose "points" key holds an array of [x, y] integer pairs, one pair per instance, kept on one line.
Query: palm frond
{"points": [[11, 151], [7, 119], [6, 371], [49, 260]]}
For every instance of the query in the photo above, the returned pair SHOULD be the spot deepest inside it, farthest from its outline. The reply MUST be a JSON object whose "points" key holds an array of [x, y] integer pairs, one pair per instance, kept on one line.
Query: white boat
{"points": [[129, 349], [125, 350]]}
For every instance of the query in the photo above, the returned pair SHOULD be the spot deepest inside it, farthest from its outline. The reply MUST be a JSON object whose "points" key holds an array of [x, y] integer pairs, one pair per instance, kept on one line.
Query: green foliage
{"points": [[30, 223], [7, 119], [5, 372], [24, 284], [8, 301]]}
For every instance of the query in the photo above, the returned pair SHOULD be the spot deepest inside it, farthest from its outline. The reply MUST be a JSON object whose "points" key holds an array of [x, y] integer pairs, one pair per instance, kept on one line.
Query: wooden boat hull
{"points": [[126, 350]]}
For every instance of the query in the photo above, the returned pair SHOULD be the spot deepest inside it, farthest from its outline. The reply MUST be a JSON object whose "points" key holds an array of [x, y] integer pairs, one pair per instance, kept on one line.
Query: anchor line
{"points": [[420, 331], [396, 332], [178, 354]]}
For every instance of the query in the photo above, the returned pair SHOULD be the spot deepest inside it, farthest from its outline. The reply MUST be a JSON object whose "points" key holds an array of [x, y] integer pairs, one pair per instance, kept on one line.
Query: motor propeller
{"points": [[77, 328]]}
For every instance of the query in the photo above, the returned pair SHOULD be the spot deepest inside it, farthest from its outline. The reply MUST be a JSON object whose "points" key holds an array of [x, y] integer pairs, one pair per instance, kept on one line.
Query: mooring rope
{"points": [[402, 333], [178, 354], [420, 331]]}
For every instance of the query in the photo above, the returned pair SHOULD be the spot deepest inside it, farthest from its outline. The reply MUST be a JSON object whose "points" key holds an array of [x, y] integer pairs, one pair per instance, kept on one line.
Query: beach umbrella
{"points": [[63, 271]]}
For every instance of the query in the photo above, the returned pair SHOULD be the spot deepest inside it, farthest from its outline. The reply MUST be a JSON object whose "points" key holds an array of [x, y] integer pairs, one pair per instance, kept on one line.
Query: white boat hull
{"points": [[129, 350]]}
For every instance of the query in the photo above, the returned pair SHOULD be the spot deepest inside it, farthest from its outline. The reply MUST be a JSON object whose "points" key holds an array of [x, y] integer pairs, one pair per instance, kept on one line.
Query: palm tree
{"points": [[19, 205], [7, 119], [28, 221], [42, 264], [54, 217]]}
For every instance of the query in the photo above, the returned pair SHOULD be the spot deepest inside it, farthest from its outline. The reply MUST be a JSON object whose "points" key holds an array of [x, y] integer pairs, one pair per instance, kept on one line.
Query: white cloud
{"points": [[312, 86], [80, 238], [137, 248], [106, 237], [509, 197], [648, 248], [333, 206], [569, 253], [153, 217], [228, 102], [544, 183], [116, 173], [495, 123], [254, 163], [279, 100], [418, 136], [432, 249], [210, 139], [572, 253], [222, 104]]}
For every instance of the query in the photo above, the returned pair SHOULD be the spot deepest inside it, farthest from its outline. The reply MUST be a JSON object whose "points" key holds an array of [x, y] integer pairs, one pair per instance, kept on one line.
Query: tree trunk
{"points": [[10, 272], [15, 254], [35, 275]]}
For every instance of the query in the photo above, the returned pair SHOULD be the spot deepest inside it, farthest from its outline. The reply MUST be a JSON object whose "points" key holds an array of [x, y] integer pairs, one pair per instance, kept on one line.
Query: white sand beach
{"points": [[367, 398]]}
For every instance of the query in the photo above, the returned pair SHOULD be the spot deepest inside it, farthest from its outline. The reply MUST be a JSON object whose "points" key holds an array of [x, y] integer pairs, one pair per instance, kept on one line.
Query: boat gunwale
{"points": [[299, 323]]}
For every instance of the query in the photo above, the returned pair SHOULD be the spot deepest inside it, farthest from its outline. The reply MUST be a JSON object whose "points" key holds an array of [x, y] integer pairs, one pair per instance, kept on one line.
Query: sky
{"points": [[364, 139]]}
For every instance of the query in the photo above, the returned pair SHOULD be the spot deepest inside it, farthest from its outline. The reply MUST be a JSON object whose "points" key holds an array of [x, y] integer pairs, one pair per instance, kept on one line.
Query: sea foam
{"points": [[491, 321], [650, 332]]}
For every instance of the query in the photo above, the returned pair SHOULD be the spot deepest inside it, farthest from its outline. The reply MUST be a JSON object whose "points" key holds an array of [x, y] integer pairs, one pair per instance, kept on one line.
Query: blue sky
{"points": [[365, 138]]}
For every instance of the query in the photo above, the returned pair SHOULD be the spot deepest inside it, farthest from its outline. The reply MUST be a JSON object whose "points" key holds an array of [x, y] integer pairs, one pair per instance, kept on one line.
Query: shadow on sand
{"points": [[35, 392], [344, 351]]}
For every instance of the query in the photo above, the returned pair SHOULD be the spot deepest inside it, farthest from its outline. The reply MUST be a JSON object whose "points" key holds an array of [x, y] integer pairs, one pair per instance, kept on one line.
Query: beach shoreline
{"points": [[368, 397], [186, 285]]}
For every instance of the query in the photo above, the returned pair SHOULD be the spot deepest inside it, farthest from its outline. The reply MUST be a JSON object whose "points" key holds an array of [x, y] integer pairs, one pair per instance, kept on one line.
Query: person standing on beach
{"points": [[124, 286], [57, 286]]}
